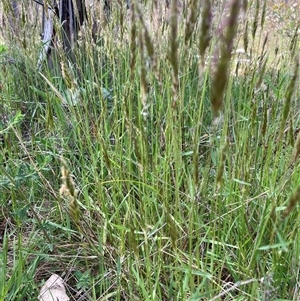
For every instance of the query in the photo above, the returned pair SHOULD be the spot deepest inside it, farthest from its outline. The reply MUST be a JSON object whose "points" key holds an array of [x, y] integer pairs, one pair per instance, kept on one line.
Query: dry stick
{"points": [[48, 35], [234, 287]]}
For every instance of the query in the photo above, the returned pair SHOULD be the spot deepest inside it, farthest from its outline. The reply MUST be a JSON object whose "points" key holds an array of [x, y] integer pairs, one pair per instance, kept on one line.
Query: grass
{"points": [[159, 174]]}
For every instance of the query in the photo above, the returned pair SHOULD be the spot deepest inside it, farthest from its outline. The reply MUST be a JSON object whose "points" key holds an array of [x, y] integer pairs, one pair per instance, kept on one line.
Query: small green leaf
{"points": [[3, 49]]}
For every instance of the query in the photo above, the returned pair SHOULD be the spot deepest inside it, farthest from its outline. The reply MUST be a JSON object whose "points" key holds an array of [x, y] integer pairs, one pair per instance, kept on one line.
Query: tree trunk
{"points": [[9, 17], [13, 17], [47, 36], [71, 15]]}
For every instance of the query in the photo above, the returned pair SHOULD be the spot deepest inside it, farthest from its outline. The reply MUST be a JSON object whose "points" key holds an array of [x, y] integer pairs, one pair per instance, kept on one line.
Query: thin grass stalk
{"points": [[176, 115], [196, 138], [264, 123], [262, 70], [24, 197], [221, 165], [173, 53], [4, 259], [141, 139], [143, 79], [133, 41], [294, 41], [288, 98]]}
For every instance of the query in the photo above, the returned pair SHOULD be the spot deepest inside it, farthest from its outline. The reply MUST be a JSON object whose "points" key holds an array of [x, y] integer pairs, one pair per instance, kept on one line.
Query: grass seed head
{"points": [[143, 76], [297, 148], [68, 190], [218, 85], [262, 71], [133, 245], [245, 37], [289, 94], [191, 21], [173, 52], [67, 76], [147, 37], [263, 14], [255, 21], [294, 41], [265, 122], [295, 198], [232, 24], [171, 229], [147, 40], [133, 40], [291, 133], [173, 38], [205, 34], [222, 69]]}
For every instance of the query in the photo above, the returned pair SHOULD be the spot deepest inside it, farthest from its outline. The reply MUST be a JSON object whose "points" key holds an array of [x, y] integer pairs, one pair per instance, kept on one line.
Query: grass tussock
{"points": [[179, 179]]}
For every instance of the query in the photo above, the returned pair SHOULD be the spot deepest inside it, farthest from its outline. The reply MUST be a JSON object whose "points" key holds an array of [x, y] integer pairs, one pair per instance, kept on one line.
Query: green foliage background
{"points": [[131, 184]]}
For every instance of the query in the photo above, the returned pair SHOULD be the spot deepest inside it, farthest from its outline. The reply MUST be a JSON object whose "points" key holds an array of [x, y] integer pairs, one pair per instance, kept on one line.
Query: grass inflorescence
{"points": [[179, 178]]}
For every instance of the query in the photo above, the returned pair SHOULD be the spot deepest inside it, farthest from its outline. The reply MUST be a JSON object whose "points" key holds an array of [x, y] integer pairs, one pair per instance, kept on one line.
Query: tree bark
{"points": [[47, 36], [10, 18], [71, 14], [13, 17]]}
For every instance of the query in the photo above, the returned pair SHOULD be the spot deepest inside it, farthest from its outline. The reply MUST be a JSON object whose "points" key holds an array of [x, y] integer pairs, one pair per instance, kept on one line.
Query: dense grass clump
{"points": [[161, 164]]}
